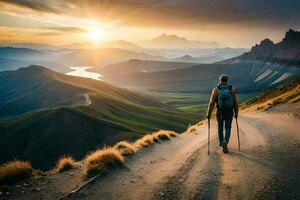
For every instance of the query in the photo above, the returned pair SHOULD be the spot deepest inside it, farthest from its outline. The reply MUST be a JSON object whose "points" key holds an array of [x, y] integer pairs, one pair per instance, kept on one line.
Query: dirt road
{"points": [[265, 168]]}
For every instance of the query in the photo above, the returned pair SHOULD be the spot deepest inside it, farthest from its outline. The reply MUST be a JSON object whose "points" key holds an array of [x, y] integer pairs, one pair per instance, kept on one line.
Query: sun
{"points": [[95, 34]]}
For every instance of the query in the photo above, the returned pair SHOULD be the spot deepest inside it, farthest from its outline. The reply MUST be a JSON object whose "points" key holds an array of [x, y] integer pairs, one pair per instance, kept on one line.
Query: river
{"points": [[82, 72]]}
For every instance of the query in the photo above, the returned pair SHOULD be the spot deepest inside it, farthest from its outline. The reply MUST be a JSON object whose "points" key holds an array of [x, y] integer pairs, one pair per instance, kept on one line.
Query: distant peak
{"points": [[164, 35], [34, 68], [291, 31], [292, 35], [186, 56], [267, 41], [291, 39]]}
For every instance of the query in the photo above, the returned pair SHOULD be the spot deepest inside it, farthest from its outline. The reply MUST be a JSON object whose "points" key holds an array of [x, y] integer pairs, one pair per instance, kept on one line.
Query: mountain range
{"points": [[45, 114], [286, 52], [60, 58], [265, 66], [165, 41]]}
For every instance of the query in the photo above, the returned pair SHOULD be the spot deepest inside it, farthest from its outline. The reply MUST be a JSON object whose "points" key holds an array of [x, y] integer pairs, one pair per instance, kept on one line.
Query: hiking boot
{"points": [[225, 148]]}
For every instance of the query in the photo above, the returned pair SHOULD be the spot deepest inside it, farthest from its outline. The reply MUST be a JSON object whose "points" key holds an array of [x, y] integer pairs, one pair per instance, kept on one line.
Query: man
{"points": [[224, 96]]}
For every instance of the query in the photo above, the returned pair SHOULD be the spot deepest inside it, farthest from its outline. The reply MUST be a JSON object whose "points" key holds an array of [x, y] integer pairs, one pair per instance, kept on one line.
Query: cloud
{"points": [[174, 13], [37, 5], [66, 29]]}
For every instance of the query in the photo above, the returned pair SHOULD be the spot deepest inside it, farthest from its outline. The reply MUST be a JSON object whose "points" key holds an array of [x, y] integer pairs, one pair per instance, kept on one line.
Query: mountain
{"points": [[185, 58], [208, 58], [12, 58], [60, 59], [45, 114], [142, 66], [25, 53], [165, 41], [35, 46], [121, 44], [286, 52], [207, 55], [100, 57], [265, 66], [247, 77]]}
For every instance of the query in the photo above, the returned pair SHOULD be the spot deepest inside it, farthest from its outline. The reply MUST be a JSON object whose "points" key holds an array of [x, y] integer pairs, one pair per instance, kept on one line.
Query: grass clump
{"points": [[165, 135], [125, 148], [98, 160], [14, 171], [65, 163], [172, 133], [191, 128], [145, 141]]}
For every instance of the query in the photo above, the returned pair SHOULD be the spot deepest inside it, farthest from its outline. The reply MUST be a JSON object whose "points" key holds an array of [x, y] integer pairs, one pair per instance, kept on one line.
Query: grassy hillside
{"points": [[12, 58], [195, 103], [46, 114], [288, 92]]}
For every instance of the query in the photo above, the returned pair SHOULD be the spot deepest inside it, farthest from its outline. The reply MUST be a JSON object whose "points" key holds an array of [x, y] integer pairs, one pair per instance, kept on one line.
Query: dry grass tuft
{"points": [[163, 135], [155, 138], [98, 160], [191, 128], [16, 170], [65, 163], [125, 148], [172, 133], [145, 141]]}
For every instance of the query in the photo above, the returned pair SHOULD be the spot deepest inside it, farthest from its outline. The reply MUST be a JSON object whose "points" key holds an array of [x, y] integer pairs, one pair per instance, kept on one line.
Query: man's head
{"points": [[223, 78]]}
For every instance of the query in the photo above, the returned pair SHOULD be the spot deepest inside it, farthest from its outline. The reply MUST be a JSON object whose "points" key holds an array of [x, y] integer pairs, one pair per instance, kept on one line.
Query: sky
{"points": [[233, 23]]}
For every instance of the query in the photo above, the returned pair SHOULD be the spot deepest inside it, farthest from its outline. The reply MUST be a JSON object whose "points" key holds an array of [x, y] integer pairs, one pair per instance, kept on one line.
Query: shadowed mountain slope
{"points": [[142, 66]]}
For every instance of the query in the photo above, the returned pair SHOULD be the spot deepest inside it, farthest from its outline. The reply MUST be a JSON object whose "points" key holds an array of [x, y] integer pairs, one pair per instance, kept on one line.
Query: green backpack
{"points": [[225, 101]]}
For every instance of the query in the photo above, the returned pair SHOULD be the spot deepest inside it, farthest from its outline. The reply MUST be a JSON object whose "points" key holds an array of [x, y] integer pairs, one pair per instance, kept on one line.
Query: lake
{"points": [[82, 72]]}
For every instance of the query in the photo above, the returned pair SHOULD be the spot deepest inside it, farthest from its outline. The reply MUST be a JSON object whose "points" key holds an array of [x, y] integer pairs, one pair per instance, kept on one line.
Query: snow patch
{"points": [[281, 78], [87, 99], [263, 75]]}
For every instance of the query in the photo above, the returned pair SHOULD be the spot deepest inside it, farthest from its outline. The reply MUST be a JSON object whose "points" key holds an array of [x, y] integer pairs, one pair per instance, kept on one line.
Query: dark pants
{"points": [[224, 117]]}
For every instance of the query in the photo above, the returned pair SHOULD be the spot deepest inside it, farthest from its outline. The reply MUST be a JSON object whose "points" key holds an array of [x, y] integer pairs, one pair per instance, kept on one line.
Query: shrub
{"points": [[125, 148], [16, 170], [98, 160], [65, 163]]}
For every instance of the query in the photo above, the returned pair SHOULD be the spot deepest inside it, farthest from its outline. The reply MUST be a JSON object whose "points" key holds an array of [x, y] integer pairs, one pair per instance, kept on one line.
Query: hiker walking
{"points": [[224, 97]]}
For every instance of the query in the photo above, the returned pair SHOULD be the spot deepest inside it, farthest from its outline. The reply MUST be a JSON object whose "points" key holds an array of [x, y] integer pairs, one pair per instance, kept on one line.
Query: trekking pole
{"points": [[208, 136], [238, 133]]}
